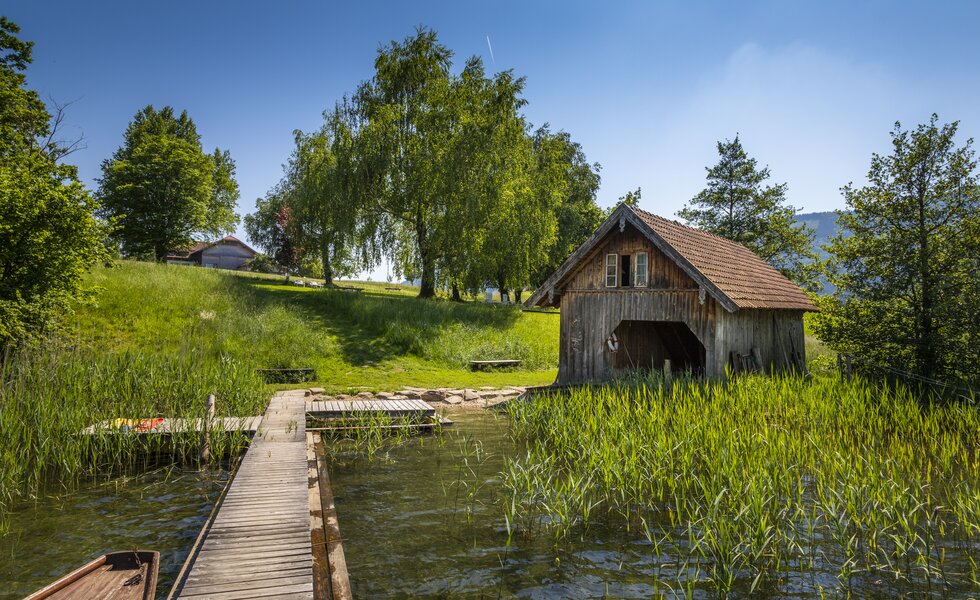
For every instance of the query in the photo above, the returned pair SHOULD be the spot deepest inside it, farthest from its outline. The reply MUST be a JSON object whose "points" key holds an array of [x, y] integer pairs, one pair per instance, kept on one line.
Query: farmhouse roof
{"points": [[731, 273], [201, 246]]}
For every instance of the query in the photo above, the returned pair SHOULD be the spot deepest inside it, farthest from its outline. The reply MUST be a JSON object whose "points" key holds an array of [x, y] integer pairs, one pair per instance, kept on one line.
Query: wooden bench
{"points": [[477, 365]]}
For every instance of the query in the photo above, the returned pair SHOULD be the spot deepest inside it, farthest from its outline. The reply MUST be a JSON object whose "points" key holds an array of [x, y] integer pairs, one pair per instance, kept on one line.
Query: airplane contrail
{"points": [[491, 51]]}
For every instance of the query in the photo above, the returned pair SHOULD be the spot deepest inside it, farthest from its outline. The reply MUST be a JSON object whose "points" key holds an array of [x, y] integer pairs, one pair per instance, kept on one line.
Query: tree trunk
{"points": [[325, 262], [456, 296], [427, 289], [517, 295], [500, 286], [160, 252], [928, 355]]}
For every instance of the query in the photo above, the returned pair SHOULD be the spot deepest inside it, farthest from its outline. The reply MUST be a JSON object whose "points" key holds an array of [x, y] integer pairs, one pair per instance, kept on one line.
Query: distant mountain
{"points": [[825, 224]]}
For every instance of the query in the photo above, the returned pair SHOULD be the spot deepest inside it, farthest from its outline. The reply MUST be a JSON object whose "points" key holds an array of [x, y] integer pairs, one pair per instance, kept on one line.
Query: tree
{"points": [[905, 263], [49, 236], [407, 113], [738, 206], [162, 189], [272, 228], [577, 214]]}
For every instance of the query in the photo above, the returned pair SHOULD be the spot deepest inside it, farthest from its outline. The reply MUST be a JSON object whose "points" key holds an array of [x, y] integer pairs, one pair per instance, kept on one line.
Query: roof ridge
{"points": [[693, 228]]}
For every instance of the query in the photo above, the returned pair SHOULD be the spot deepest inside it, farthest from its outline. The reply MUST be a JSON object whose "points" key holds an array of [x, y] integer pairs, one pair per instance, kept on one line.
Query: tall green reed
{"points": [[52, 392], [741, 480]]}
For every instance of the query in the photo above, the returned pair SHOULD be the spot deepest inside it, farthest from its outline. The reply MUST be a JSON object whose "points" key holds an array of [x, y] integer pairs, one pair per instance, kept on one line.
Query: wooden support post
{"points": [[206, 429], [667, 370], [840, 363], [757, 359], [850, 371]]}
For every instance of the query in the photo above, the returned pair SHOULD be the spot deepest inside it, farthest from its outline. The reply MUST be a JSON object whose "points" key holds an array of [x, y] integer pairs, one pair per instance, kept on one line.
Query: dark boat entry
{"points": [[645, 345]]}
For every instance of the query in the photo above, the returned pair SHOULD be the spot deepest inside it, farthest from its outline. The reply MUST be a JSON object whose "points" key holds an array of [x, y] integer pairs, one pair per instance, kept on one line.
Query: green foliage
{"points": [[49, 234], [905, 263], [263, 263], [273, 228], [760, 480], [736, 205], [631, 198], [418, 155], [578, 215], [162, 189]]}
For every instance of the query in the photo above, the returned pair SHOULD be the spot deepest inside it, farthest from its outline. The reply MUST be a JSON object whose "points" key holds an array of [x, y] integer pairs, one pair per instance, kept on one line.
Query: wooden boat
{"points": [[116, 576]]}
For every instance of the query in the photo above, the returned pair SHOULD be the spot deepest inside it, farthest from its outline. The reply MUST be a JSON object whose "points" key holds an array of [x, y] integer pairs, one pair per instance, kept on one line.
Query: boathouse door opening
{"points": [[645, 345]]}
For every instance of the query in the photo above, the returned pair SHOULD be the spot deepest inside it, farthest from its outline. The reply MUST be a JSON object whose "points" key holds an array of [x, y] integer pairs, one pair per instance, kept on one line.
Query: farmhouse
{"points": [[227, 253], [644, 290]]}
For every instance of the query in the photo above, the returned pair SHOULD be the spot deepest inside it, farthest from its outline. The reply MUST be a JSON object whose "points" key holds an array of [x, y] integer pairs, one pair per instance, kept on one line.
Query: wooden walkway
{"points": [[393, 408], [258, 545], [167, 425]]}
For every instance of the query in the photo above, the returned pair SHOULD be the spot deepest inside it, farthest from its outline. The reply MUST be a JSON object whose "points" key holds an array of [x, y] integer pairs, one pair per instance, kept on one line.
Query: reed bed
{"points": [[51, 393], [812, 486]]}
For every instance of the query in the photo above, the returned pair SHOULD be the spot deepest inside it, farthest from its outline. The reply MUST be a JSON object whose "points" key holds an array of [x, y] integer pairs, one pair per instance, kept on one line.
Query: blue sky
{"points": [[647, 88]]}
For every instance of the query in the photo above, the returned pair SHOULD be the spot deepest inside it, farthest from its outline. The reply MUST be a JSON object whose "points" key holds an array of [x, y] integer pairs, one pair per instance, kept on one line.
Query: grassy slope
{"points": [[376, 339]]}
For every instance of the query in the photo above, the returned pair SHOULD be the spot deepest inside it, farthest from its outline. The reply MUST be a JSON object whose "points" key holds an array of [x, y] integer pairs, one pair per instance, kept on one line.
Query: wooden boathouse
{"points": [[644, 290]]}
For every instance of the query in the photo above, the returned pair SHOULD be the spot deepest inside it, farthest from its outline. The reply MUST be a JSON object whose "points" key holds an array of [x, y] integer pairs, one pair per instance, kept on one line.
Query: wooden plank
{"points": [[339, 578], [258, 544], [318, 537]]}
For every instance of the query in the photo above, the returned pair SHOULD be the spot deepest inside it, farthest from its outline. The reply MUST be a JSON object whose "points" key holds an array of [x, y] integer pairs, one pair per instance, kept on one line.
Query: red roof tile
{"points": [[738, 272]]}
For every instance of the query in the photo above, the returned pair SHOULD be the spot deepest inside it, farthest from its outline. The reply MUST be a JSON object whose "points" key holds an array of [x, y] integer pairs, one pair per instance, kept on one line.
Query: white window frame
{"points": [[637, 273], [612, 262]]}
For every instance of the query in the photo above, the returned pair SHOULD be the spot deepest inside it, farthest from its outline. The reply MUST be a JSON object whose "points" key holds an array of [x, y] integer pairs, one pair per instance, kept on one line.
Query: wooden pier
{"points": [[360, 408], [274, 532], [175, 426], [258, 545]]}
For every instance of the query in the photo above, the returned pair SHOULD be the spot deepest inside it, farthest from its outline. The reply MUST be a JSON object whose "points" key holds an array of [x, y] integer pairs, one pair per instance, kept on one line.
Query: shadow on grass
{"points": [[371, 326]]}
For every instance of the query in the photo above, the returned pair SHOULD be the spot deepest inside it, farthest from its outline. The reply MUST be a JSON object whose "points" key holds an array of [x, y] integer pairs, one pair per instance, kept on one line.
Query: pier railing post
{"points": [[206, 429]]}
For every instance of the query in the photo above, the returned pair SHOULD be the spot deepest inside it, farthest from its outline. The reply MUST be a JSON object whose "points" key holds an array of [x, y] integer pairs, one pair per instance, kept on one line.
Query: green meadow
{"points": [[379, 338]]}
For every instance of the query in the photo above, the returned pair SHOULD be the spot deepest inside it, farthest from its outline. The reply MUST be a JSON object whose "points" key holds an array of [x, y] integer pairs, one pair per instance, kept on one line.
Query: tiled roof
{"points": [[198, 246], [738, 272]]}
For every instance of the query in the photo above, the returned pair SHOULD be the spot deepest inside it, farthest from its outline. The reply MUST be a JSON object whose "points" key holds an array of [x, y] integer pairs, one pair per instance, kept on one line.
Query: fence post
{"points": [[206, 428], [850, 371]]}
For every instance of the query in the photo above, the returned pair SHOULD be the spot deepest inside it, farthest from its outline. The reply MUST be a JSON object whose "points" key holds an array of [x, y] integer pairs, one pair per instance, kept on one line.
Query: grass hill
{"points": [[380, 338]]}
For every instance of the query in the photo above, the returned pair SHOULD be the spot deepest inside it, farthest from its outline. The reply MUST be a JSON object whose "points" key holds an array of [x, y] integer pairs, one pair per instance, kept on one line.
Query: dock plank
{"points": [[395, 408], [258, 545]]}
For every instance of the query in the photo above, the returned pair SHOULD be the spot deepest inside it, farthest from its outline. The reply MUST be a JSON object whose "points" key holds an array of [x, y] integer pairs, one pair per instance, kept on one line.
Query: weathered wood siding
{"points": [[590, 312], [664, 273], [588, 317], [226, 256], [778, 334]]}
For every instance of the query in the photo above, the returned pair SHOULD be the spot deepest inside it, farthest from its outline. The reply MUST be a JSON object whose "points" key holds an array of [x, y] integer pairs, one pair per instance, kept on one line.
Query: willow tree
{"points": [[577, 214], [406, 116]]}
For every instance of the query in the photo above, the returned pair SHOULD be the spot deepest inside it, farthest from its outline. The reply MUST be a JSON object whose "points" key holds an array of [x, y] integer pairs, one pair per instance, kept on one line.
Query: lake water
{"points": [[424, 522], [163, 510], [424, 519]]}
